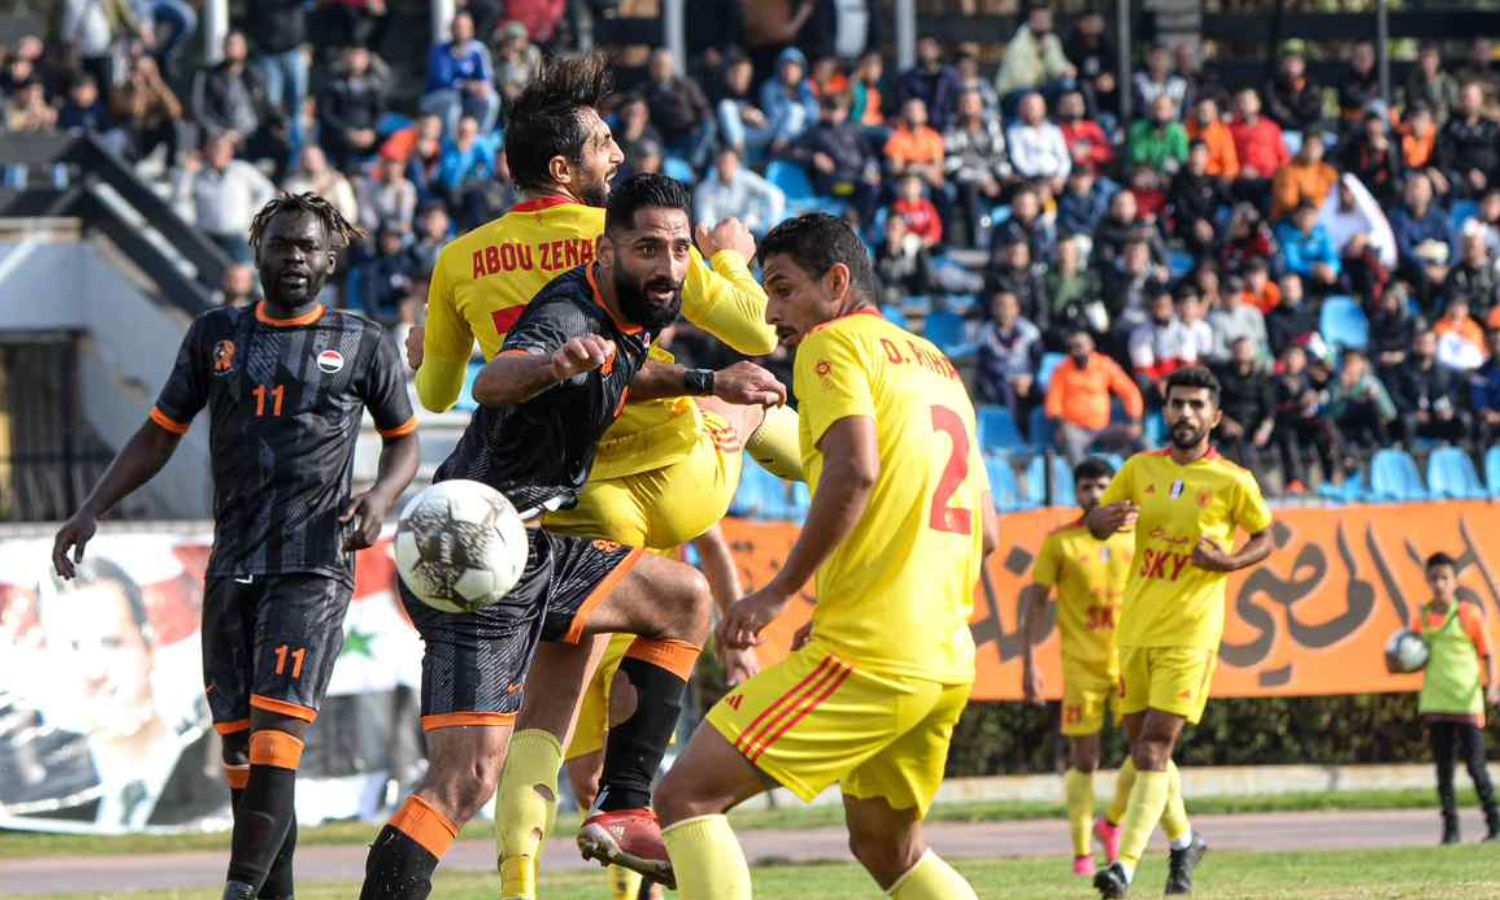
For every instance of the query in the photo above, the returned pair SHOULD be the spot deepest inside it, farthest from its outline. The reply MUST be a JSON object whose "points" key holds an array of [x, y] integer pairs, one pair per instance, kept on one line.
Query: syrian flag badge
{"points": [[330, 361]]}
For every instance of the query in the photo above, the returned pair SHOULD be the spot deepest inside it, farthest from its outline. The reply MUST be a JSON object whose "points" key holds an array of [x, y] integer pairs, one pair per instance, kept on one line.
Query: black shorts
{"points": [[269, 643], [474, 664]]}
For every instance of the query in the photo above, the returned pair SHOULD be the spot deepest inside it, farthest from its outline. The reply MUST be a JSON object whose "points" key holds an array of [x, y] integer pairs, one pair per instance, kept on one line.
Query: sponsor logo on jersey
{"points": [[330, 361], [223, 357], [1177, 487]]}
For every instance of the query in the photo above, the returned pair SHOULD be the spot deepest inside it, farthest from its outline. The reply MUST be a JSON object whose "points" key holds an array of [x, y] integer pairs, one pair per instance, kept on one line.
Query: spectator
{"points": [[1392, 330], [1078, 401], [868, 97], [922, 218], [467, 167], [1260, 291], [679, 110], [150, 111], [1073, 296], [28, 111], [1360, 406], [902, 264], [84, 112], [1298, 425], [1248, 402], [1082, 206], [434, 231], [1194, 200], [231, 96], [932, 81], [1258, 145], [1293, 320], [788, 100], [1468, 147], [828, 78], [384, 279], [1484, 395], [635, 125], [425, 161], [1237, 319], [1306, 249], [386, 195], [1474, 279], [278, 31], [1157, 81], [1034, 59], [517, 61], [1486, 221], [914, 148], [541, 18], [1092, 53], [1307, 179], [461, 79], [1128, 287], [1010, 348], [1359, 85], [1088, 146], [732, 191], [1191, 311], [1248, 239], [840, 160], [1424, 239], [1121, 226], [1160, 345], [350, 23], [1013, 271], [1429, 85], [975, 161], [742, 124], [1206, 126], [236, 285], [1370, 155], [315, 175], [1359, 230], [1419, 131], [969, 79], [349, 109], [88, 30], [1026, 224], [1159, 141], [1037, 148], [1427, 395], [1293, 100], [1150, 199], [1482, 69], [1460, 339], [221, 195]]}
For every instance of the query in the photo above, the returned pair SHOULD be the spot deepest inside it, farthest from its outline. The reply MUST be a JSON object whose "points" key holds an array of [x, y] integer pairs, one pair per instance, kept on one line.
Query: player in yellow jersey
{"points": [[900, 520], [665, 471], [1089, 576], [1186, 504]]}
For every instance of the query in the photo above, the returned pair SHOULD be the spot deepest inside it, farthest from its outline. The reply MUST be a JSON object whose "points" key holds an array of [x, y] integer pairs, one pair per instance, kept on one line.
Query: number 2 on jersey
{"points": [[943, 517], [276, 395]]}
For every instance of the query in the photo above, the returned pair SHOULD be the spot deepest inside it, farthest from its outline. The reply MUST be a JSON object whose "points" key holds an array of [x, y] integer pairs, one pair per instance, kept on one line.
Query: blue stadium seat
{"points": [[1039, 427], [680, 169], [1450, 473], [791, 178], [1049, 364], [1115, 460], [1492, 470], [1003, 484], [1036, 481], [1353, 490], [1343, 323], [1179, 262], [997, 429], [893, 314], [1394, 476], [1462, 211], [801, 500], [950, 333], [1155, 430]]}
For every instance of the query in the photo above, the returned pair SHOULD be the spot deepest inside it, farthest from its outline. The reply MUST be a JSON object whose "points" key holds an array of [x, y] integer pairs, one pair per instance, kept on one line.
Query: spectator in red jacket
{"points": [[921, 214], [1086, 141], [1259, 144]]}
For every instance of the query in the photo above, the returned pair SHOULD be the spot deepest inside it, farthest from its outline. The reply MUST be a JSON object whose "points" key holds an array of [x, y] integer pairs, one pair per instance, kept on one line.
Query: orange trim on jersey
{"points": [[462, 719], [237, 776], [809, 703], [598, 595], [677, 657], [541, 203], [306, 318], [281, 707], [269, 747], [625, 327], [423, 823], [167, 423], [401, 430], [235, 727], [773, 716]]}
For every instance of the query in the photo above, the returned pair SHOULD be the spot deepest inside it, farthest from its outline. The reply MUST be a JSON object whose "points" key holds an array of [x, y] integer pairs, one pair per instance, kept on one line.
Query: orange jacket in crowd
{"points": [[1298, 181], [1080, 396], [1223, 161], [920, 147]]}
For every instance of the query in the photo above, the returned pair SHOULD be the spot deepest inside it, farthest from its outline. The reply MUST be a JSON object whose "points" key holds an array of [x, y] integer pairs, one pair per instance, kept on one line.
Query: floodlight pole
{"points": [[906, 33], [215, 29], [1382, 46], [1123, 55]]}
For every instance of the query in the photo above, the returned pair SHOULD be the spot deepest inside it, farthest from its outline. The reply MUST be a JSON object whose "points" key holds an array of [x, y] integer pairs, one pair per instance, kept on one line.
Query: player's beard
{"points": [[638, 306], [1185, 436]]}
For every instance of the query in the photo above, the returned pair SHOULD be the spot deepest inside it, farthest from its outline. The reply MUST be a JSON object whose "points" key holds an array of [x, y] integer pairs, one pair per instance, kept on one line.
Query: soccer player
{"points": [[1089, 575], [286, 383], [1185, 503], [665, 472], [900, 520], [546, 398]]}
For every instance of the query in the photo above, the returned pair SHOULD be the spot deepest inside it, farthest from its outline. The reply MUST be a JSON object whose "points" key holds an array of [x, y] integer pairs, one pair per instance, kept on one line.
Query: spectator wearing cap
{"points": [[1159, 141], [788, 101], [349, 109], [1371, 155], [975, 161], [1037, 148], [733, 191], [1010, 348], [1461, 343], [1484, 394], [1359, 83], [1429, 85], [1248, 402], [1294, 100], [1468, 147], [517, 60], [1237, 319], [1258, 144], [1307, 178], [1307, 250], [1078, 401], [932, 81], [1087, 143], [1194, 200], [1034, 60], [1160, 345], [839, 159], [461, 79], [1474, 278], [1205, 125], [1429, 397], [1424, 239], [678, 107], [1158, 80]]}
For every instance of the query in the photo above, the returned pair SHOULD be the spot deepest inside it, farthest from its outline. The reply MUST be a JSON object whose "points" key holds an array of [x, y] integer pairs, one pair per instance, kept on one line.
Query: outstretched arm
{"points": [[743, 383]]}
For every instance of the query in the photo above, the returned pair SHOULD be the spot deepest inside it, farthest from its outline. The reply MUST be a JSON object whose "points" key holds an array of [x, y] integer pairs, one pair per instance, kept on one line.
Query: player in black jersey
{"points": [[560, 379], [286, 384]]}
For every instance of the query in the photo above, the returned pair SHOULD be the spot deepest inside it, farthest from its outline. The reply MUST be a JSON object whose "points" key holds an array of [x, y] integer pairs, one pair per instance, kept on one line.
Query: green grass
{"points": [[1465, 871], [18, 844]]}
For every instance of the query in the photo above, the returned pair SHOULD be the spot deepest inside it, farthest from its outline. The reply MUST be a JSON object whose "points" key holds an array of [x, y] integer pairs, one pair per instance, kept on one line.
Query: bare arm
{"points": [[136, 463], [399, 457], [744, 383], [717, 563], [517, 376], [1207, 554], [1032, 611], [1104, 520], [989, 523]]}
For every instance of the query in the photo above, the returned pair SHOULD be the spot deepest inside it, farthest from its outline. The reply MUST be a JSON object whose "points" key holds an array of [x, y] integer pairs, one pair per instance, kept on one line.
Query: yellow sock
{"points": [[623, 883], [708, 860], [1175, 820], [525, 805], [1078, 788], [932, 879], [1124, 781], [776, 445], [1148, 799]]}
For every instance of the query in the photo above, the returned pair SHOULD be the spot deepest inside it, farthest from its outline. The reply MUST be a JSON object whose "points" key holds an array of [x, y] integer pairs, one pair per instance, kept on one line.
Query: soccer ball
{"points": [[460, 546], [1407, 651]]}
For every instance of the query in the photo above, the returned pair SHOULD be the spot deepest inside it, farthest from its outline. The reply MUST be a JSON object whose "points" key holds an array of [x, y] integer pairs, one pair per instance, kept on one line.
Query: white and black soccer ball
{"points": [[1407, 651], [460, 546]]}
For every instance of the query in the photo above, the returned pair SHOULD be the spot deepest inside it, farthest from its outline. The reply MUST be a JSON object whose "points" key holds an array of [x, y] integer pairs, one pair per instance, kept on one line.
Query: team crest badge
{"points": [[223, 357], [330, 361], [1205, 498], [604, 546]]}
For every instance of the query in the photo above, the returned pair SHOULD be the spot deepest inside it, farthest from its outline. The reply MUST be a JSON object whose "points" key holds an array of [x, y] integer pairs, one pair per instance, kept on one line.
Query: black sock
{"points": [[398, 868], [279, 883], [635, 747], [262, 818]]}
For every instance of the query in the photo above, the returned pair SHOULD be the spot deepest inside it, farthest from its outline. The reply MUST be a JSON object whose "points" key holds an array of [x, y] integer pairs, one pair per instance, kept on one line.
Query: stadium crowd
{"points": [[1332, 252]]}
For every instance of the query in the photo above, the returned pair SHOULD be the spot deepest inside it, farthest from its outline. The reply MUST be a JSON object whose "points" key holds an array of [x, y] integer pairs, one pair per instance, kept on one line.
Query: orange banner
{"points": [[1313, 619]]}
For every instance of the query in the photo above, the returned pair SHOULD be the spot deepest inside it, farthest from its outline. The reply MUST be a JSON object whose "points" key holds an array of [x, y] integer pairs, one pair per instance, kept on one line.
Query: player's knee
{"points": [[676, 800], [691, 608], [464, 789], [1085, 762], [884, 854]]}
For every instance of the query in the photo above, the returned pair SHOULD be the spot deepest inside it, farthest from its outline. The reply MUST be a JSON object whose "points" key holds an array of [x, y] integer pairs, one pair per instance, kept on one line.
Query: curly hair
{"points": [[341, 233]]}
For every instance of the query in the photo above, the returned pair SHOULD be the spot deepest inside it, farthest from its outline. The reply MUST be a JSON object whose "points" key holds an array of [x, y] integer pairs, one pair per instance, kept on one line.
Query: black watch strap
{"points": [[699, 382]]}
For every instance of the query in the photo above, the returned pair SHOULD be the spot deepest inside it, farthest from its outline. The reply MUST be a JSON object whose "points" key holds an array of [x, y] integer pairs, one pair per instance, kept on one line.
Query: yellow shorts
{"points": [[1087, 690], [1169, 679], [814, 720], [593, 709], [663, 507]]}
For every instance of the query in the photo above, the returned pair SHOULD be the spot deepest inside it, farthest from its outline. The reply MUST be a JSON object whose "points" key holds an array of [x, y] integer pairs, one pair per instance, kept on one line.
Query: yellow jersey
{"points": [[1089, 575], [1169, 602], [896, 594], [484, 279]]}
